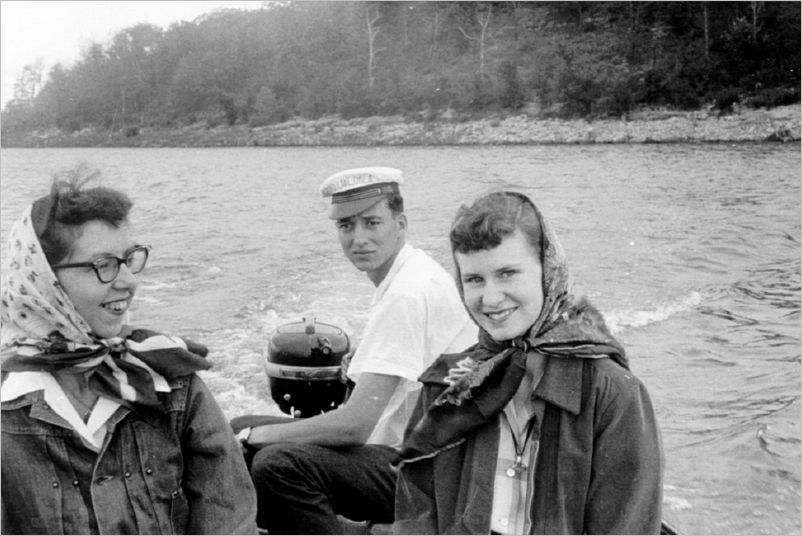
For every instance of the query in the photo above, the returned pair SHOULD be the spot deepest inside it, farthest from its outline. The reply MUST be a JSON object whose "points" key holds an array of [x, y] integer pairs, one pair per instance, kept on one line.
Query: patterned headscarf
{"points": [[486, 378], [40, 330]]}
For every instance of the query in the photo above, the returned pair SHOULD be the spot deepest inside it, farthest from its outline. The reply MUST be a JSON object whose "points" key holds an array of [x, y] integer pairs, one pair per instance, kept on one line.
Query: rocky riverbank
{"points": [[781, 124]]}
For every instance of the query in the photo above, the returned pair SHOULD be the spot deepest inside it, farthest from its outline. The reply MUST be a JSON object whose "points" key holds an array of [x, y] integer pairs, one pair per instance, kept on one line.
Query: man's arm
{"points": [[347, 426]]}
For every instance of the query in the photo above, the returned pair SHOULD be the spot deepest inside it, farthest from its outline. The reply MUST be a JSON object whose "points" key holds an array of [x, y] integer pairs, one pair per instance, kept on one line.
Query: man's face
{"points": [[372, 238]]}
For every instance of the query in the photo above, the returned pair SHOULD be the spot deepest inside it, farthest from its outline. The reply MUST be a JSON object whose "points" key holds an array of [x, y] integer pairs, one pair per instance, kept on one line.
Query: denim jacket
{"points": [[175, 471]]}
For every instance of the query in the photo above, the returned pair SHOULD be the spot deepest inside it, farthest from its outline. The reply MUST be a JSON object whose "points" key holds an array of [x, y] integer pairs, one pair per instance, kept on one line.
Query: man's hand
{"points": [[242, 436]]}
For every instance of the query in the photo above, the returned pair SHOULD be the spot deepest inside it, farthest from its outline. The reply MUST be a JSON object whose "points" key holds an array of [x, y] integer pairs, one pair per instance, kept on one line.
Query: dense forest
{"points": [[421, 59]]}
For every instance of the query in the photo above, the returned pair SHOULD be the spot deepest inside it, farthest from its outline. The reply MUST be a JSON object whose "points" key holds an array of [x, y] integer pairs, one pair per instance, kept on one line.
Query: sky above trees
{"points": [[59, 31]]}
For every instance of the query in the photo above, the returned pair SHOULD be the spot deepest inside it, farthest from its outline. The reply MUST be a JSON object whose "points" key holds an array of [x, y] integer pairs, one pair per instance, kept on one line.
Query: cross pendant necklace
{"points": [[519, 467], [516, 468]]}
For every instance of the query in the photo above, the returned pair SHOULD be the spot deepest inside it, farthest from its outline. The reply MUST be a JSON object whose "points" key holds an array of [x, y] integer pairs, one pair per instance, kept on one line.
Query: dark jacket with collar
{"points": [[598, 470], [174, 471]]}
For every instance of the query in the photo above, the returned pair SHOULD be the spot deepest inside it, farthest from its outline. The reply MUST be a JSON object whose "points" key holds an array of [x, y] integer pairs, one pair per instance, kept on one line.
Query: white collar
{"points": [[92, 432]]}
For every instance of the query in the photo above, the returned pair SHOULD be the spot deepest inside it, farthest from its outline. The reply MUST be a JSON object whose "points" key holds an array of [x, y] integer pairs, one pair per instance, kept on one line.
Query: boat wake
{"points": [[619, 321]]}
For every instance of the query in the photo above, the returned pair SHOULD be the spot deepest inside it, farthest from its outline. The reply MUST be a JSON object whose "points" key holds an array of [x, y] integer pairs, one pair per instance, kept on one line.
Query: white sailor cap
{"points": [[355, 190]]}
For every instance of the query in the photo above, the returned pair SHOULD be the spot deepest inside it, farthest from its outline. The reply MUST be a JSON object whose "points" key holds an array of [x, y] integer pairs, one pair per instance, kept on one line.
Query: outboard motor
{"points": [[304, 367]]}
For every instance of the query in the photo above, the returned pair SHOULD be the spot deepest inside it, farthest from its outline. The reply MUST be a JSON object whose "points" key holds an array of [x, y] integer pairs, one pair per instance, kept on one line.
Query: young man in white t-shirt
{"points": [[308, 471]]}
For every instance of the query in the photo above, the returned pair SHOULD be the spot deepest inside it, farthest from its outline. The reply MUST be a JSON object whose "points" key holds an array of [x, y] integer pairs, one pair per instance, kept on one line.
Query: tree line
{"points": [[421, 59]]}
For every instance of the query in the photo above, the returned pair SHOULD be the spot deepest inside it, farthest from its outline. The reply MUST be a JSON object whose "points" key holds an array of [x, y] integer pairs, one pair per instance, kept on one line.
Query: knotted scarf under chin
{"points": [[480, 394], [114, 366]]}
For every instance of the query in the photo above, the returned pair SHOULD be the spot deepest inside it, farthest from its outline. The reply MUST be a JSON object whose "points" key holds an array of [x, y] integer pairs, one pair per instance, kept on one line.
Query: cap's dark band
{"points": [[365, 192]]}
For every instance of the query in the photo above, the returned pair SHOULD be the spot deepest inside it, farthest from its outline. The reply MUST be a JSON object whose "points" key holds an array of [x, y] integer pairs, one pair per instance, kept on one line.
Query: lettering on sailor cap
{"points": [[355, 190]]}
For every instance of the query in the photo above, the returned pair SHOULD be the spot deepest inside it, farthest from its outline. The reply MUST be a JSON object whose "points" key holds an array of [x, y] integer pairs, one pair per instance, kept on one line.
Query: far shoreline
{"points": [[780, 124]]}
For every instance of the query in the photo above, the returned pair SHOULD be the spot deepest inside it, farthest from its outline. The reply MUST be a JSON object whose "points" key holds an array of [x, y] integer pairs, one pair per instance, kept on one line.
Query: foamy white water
{"points": [[636, 318]]}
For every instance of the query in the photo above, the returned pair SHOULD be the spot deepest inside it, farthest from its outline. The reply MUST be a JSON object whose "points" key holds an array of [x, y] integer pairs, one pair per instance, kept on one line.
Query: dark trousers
{"points": [[302, 488]]}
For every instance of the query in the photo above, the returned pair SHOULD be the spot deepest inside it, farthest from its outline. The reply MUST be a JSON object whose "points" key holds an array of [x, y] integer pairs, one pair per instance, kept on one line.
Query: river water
{"points": [[692, 252]]}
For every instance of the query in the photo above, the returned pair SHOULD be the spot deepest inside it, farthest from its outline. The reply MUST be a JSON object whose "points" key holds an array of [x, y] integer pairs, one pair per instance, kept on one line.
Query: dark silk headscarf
{"points": [[487, 377]]}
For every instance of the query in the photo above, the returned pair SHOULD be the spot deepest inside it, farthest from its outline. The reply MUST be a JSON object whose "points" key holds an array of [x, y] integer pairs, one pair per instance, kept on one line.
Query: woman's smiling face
{"points": [[102, 305], [503, 286]]}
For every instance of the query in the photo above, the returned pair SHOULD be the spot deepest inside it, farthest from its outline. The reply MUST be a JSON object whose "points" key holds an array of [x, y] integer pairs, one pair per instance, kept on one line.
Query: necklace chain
{"points": [[518, 467]]}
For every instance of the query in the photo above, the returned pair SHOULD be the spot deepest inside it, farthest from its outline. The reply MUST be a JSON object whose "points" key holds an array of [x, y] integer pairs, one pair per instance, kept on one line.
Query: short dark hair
{"points": [[57, 217], [493, 217], [395, 203]]}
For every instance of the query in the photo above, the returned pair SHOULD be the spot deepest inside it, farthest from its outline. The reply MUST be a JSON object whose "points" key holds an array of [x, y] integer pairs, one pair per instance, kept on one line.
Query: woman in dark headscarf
{"points": [[541, 428], [105, 429]]}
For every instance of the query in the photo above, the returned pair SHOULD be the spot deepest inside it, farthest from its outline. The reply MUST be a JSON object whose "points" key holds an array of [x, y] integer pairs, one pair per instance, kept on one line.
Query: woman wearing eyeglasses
{"points": [[541, 428], [105, 428]]}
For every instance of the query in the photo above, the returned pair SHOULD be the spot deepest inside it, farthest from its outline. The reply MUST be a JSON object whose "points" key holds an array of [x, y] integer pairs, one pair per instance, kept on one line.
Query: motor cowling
{"points": [[304, 367]]}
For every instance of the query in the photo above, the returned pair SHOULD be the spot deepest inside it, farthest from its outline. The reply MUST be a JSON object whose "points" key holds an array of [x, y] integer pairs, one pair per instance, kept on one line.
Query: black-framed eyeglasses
{"points": [[107, 268]]}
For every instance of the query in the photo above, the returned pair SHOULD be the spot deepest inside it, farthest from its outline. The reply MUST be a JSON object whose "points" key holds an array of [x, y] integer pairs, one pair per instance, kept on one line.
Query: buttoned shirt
{"points": [[515, 479]]}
